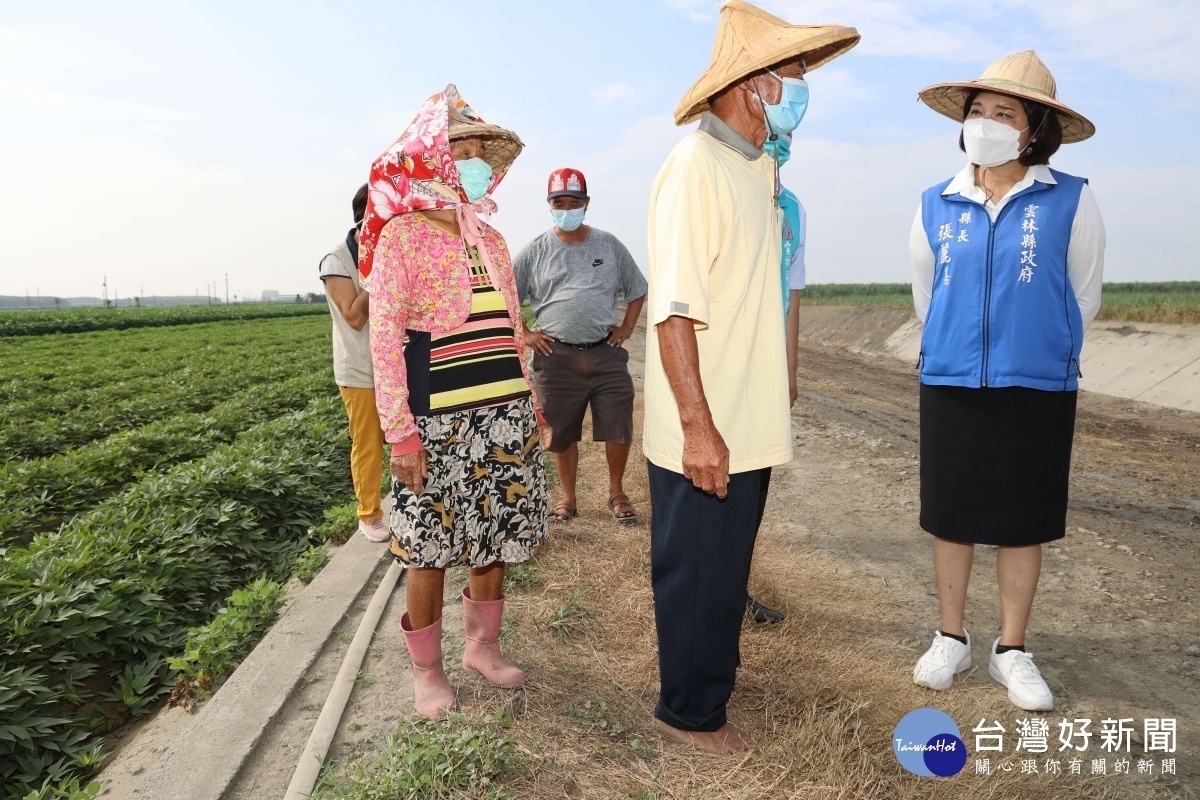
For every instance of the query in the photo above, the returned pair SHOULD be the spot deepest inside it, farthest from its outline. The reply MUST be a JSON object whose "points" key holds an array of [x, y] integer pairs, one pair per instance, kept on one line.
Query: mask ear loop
{"points": [[1034, 135]]}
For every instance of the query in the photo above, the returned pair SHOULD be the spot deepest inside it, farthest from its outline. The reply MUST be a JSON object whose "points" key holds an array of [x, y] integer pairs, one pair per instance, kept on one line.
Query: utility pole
{"points": [[226, 288], [106, 291]]}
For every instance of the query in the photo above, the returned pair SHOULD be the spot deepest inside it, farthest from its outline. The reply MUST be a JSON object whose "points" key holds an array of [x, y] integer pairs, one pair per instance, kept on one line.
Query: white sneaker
{"points": [[373, 530], [1016, 672], [944, 659]]}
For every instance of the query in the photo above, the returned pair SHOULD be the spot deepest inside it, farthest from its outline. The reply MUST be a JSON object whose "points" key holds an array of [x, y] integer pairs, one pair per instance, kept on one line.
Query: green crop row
{"points": [[57, 423], [78, 320], [58, 370], [35, 495], [89, 613], [214, 649]]}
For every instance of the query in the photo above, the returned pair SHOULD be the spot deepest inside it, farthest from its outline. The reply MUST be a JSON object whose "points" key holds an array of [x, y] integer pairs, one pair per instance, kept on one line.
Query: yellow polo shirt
{"points": [[715, 238]]}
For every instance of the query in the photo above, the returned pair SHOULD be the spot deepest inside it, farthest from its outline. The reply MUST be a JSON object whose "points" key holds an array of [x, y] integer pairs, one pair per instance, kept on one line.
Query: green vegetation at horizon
{"points": [[1175, 302], [36, 322]]}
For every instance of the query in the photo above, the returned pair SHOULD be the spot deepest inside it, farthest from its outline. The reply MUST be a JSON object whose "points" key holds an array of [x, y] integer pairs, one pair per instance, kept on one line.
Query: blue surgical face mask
{"points": [[784, 116], [780, 149], [568, 219], [475, 175]]}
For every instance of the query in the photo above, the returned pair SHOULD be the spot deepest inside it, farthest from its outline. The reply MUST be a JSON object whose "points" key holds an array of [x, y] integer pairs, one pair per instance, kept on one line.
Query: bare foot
{"points": [[727, 740], [745, 678]]}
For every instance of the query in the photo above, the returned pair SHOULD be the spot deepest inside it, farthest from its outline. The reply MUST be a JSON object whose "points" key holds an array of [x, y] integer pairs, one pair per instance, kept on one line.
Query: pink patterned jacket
{"points": [[421, 281]]}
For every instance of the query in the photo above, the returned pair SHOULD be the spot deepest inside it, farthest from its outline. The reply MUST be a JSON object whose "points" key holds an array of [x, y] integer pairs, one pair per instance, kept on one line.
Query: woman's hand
{"points": [[539, 341], [411, 470], [547, 435]]}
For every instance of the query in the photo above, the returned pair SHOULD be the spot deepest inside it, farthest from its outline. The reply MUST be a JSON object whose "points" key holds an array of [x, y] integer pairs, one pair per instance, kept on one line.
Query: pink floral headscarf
{"points": [[417, 173]]}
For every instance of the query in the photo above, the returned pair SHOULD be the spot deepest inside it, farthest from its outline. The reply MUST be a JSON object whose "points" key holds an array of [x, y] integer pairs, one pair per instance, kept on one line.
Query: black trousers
{"points": [[700, 551]]}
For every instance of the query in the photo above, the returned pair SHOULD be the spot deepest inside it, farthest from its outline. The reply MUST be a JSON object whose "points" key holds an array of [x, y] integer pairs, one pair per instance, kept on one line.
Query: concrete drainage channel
{"points": [[1157, 364], [207, 760]]}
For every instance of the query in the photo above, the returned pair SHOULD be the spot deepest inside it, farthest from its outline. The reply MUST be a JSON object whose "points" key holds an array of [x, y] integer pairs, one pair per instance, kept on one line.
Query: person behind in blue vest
{"points": [[794, 225], [1007, 260], [795, 229]]}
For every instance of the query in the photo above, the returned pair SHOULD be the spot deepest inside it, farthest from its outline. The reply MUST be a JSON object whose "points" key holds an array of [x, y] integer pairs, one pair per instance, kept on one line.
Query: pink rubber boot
{"points": [[430, 684], [481, 621]]}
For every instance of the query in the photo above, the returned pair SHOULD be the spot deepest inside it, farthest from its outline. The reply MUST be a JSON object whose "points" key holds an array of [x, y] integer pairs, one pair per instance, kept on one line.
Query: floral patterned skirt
{"points": [[485, 497]]}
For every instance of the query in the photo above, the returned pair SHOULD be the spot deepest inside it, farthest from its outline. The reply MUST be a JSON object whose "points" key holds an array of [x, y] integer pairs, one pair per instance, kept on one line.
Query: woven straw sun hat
{"points": [[748, 40], [1021, 75], [500, 145]]}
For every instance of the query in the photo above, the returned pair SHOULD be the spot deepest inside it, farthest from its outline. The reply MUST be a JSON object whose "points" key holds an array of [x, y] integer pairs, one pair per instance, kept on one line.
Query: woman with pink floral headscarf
{"points": [[451, 384]]}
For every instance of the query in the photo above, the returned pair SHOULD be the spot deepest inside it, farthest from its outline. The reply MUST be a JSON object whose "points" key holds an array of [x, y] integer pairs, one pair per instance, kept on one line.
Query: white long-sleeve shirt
{"points": [[1085, 253]]}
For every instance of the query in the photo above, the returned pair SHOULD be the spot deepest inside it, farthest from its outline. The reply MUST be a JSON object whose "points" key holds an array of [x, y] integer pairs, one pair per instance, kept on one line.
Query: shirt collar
{"points": [[964, 182], [720, 130]]}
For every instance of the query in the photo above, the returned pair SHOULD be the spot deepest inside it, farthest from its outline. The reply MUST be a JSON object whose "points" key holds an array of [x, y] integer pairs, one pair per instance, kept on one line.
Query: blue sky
{"points": [[165, 144]]}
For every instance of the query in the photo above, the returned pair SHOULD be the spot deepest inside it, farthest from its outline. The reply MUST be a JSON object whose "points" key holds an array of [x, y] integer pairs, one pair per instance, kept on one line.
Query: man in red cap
{"points": [[571, 276]]}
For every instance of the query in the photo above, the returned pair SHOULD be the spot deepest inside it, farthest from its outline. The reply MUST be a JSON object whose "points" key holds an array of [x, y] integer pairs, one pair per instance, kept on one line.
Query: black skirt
{"points": [[995, 464]]}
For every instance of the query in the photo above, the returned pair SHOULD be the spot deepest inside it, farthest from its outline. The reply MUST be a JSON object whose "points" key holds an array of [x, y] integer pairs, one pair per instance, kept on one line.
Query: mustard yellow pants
{"points": [[366, 449]]}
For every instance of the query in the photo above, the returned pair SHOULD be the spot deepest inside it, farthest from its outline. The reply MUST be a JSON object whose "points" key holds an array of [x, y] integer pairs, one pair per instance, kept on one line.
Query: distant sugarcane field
{"points": [[1177, 302]]}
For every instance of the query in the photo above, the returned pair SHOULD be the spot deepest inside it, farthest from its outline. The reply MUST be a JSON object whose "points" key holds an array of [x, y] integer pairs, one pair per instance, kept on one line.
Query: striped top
{"points": [[477, 365]]}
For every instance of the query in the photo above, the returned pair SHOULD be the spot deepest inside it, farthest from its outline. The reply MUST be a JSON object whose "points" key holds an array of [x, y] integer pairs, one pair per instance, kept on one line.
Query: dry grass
{"points": [[823, 718]]}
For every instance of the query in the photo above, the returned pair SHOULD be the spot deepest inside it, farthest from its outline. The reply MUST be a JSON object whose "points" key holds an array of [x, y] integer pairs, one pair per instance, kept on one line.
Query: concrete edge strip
{"points": [[1157, 384], [205, 761]]}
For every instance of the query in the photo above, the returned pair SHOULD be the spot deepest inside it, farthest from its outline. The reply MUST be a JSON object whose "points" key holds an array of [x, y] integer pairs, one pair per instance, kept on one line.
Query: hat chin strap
{"points": [[771, 137], [472, 230]]}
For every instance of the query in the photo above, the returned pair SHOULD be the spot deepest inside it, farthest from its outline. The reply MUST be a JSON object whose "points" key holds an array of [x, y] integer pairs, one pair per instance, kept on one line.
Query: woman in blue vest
{"points": [[1007, 259]]}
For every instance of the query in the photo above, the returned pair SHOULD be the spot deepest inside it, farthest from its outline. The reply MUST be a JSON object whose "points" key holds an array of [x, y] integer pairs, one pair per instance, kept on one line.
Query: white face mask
{"points": [[990, 143]]}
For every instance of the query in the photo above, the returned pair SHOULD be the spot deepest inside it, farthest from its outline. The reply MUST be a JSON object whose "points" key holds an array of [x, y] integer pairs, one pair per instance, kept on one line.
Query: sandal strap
{"points": [[622, 500]]}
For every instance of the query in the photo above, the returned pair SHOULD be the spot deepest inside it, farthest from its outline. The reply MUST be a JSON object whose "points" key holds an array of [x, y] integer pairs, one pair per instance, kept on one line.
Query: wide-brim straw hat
{"points": [[500, 145], [748, 40], [1022, 75]]}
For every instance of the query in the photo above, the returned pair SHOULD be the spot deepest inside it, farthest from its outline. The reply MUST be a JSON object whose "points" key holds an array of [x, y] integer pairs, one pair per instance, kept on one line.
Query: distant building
{"points": [[270, 296]]}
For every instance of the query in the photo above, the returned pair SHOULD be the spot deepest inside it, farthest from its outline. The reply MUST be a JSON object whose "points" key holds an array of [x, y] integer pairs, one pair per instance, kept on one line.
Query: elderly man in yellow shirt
{"points": [[717, 405]]}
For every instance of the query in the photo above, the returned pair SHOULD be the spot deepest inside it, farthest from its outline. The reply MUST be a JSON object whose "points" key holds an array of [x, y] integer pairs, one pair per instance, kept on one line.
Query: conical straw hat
{"points": [[500, 145], [1021, 75], [748, 40]]}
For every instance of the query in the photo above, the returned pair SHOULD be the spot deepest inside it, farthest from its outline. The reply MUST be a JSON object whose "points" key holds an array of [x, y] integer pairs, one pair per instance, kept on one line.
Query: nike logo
{"points": [[597, 262]]}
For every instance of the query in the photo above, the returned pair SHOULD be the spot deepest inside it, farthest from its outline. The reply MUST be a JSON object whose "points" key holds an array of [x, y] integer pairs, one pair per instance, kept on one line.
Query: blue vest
{"points": [[793, 237], [1003, 312]]}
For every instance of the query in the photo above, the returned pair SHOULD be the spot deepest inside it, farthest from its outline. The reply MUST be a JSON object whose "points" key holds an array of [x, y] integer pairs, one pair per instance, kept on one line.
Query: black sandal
{"points": [[622, 517], [563, 512]]}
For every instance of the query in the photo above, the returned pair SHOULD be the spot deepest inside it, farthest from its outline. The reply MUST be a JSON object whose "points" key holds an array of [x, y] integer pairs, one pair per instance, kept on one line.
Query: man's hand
{"points": [[793, 393], [411, 470], [539, 341], [619, 335], [706, 459]]}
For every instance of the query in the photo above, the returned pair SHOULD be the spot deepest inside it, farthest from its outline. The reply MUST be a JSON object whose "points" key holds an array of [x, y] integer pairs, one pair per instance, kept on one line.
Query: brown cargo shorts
{"points": [[569, 380]]}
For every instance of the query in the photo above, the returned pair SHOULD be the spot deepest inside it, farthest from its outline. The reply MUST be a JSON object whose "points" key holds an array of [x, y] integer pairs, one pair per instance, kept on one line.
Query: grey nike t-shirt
{"points": [[573, 288]]}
